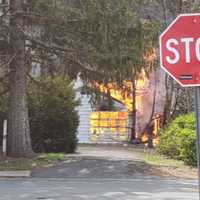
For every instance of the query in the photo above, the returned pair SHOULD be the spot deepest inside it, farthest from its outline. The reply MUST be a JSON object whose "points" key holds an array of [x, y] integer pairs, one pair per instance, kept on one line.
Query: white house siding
{"points": [[84, 111]]}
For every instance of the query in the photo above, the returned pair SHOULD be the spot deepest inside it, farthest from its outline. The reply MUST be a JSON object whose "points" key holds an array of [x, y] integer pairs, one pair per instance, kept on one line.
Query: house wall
{"points": [[84, 111]]}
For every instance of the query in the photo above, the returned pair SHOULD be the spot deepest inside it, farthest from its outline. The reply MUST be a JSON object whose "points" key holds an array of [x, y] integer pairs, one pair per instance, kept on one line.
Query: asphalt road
{"points": [[98, 189]]}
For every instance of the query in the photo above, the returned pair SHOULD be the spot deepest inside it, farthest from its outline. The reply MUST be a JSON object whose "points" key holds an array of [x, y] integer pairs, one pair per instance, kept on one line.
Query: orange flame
{"points": [[123, 93]]}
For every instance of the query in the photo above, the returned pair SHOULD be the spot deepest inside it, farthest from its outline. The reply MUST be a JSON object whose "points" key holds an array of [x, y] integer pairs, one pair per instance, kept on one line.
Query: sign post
{"points": [[197, 109], [180, 58]]}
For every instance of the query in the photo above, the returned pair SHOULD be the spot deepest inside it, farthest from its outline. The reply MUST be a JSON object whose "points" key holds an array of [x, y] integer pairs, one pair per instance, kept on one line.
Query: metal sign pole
{"points": [[197, 109]]}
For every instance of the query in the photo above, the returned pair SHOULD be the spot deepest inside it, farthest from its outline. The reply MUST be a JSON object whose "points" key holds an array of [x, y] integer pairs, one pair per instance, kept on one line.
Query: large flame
{"points": [[154, 134], [123, 93], [101, 121]]}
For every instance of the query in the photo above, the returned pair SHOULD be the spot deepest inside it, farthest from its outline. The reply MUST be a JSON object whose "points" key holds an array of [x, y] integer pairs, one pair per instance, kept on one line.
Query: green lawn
{"points": [[42, 160], [151, 156]]}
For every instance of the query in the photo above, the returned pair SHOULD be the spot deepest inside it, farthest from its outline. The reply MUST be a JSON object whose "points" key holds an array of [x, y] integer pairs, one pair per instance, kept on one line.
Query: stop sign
{"points": [[180, 49]]}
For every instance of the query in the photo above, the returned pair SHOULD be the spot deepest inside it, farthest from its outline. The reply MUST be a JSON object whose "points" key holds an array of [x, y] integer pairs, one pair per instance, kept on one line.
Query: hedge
{"points": [[178, 139], [53, 118]]}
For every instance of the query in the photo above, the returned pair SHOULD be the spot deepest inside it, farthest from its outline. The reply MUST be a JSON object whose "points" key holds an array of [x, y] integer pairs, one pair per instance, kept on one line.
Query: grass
{"points": [[169, 167], [151, 156], [42, 160]]}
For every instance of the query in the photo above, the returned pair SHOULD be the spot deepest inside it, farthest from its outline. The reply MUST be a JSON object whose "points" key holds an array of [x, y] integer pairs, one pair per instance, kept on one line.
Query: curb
{"points": [[15, 174]]}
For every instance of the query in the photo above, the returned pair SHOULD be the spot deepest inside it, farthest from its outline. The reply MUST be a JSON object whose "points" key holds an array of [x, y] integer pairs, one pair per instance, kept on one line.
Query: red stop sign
{"points": [[180, 49]]}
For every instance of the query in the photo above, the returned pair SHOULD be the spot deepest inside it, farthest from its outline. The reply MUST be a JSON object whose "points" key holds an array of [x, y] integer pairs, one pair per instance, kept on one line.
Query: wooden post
{"points": [[5, 123]]}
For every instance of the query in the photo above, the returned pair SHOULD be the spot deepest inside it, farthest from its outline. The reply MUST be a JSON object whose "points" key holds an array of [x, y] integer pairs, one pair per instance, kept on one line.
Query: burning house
{"points": [[99, 125]]}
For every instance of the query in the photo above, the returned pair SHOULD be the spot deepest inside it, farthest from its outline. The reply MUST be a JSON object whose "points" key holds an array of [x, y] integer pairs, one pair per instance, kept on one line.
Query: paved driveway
{"points": [[100, 161], [99, 173]]}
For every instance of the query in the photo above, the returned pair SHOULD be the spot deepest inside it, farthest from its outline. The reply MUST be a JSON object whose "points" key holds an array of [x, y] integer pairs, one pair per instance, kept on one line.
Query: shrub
{"points": [[178, 139], [53, 119]]}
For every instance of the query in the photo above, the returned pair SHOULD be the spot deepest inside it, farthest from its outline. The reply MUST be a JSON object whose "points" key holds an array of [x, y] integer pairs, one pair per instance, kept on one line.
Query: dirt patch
{"points": [[144, 169], [183, 172]]}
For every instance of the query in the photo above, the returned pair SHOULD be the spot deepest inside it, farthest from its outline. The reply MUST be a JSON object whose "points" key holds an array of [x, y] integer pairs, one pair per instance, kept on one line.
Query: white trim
{"points": [[160, 46]]}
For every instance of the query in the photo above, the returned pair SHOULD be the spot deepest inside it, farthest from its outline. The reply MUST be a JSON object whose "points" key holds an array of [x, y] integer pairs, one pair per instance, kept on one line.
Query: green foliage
{"points": [[53, 118], [106, 40], [178, 139]]}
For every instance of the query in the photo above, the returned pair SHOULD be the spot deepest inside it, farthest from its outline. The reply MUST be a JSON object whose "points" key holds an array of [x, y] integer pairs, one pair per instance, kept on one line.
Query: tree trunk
{"points": [[134, 111], [169, 85], [19, 143]]}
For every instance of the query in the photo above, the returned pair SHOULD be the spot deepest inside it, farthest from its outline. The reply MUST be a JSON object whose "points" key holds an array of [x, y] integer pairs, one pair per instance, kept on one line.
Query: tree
{"points": [[145, 37], [19, 143], [178, 100], [119, 39], [104, 40], [112, 41]]}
